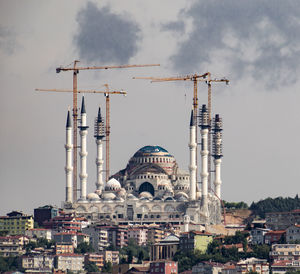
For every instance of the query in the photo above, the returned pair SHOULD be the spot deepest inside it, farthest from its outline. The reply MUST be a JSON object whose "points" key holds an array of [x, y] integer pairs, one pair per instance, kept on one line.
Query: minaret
{"points": [[69, 167], [83, 153], [217, 153], [204, 124], [192, 166], [99, 135]]}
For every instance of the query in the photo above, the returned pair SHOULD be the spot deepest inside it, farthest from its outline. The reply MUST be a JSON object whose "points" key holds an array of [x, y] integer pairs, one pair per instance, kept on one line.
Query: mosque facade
{"points": [[151, 188]]}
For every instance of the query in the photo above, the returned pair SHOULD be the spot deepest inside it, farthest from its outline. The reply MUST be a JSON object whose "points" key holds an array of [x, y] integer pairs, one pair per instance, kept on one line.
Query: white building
{"points": [[72, 262], [39, 233]]}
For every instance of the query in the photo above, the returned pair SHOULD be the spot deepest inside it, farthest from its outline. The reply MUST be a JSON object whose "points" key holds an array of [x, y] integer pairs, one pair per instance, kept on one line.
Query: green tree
{"points": [[107, 267], [83, 248], [91, 267]]}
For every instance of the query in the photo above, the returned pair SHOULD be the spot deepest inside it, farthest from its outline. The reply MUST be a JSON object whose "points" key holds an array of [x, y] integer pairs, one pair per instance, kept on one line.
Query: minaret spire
{"points": [[83, 152], [217, 153], [69, 167], [204, 125], [99, 135], [192, 166]]}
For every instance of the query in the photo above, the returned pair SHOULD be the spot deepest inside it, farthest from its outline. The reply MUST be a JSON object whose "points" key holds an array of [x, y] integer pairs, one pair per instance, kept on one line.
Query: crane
{"points": [[76, 70], [206, 77], [106, 93]]}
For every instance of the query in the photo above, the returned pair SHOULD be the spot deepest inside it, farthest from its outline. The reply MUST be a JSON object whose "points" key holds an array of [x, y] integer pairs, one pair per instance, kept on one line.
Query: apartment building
{"points": [[139, 234], [71, 262], [13, 245], [38, 263], [16, 223], [190, 241], [293, 233], [285, 252], [39, 233]]}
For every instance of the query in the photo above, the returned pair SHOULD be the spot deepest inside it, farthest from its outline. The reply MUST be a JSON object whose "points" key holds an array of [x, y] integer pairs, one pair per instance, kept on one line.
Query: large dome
{"points": [[152, 151]]}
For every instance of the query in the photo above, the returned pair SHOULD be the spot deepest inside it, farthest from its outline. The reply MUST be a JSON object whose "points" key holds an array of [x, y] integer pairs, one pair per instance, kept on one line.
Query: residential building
{"points": [[16, 223], [252, 265], [117, 236], [193, 240], [64, 248], [293, 233], [165, 249], [98, 236], [285, 252], [163, 267], [110, 256], [257, 235], [281, 267], [97, 259], [139, 234], [155, 234], [274, 236], [64, 223], [71, 262], [38, 263], [39, 233], [130, 268], [207, 268], [73, 238], [13, 245], [282, 220], [44, 213]]}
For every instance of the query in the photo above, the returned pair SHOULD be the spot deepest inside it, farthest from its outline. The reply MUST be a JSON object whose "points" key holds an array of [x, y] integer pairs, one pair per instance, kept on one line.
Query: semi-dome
{"points": [[108, 196], [113, 184], [145, 194], [93, 197], [152, 151]]}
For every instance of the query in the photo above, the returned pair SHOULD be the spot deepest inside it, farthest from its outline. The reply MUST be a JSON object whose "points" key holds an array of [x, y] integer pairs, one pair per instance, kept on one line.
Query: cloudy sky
{"points": [[253, 43]]}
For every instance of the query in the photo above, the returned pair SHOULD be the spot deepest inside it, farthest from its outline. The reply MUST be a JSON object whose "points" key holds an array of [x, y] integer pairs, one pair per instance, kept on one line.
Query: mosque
{"points": [[151, 188]]}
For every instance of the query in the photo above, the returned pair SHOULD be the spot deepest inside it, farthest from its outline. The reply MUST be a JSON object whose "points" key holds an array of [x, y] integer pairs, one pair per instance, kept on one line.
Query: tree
{"points": [[107, 267], [91, 267], [83, 248]]}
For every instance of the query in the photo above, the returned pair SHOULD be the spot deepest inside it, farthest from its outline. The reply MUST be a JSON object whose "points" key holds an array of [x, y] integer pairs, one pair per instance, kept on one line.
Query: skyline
{"points": [[255, 44]]}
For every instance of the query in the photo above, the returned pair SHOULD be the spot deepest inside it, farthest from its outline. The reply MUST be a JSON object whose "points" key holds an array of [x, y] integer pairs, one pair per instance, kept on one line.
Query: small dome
{"points": [[164, 185], [145, 194], [108, 196], [121, 193], [119, 199], [131, 197], [113, 184], [181, 194], [169, 199], [93, 197]]}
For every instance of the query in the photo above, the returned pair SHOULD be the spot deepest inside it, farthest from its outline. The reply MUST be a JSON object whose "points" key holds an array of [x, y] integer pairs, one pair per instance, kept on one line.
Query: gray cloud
{"points": [[259, 37], [177, 26], [104, 36], [7, 40]]}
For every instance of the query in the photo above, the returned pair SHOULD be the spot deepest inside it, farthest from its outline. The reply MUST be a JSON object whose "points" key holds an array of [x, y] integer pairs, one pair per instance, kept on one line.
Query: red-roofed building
{"points": [[281, 267], [65, 223], [274, 236]]}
